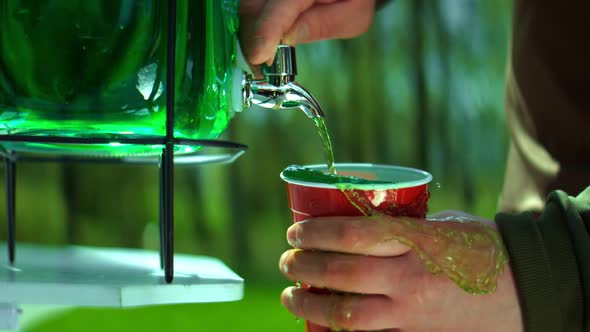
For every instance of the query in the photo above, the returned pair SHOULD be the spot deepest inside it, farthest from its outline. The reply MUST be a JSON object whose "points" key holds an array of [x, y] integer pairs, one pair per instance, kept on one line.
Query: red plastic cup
{"points": [[406, 195]]}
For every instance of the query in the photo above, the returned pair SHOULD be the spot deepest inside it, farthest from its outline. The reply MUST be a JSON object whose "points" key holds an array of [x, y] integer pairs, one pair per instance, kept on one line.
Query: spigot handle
{"points": [[283, 69], [278, 90]]}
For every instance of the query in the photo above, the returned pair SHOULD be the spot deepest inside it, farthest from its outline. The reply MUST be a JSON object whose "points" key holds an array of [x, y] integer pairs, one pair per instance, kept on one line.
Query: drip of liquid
{"points": [[326, 143]]}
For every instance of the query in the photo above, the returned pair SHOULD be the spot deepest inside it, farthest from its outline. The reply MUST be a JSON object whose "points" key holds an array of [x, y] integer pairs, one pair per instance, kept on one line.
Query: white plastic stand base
{"points": [[108, 277]]}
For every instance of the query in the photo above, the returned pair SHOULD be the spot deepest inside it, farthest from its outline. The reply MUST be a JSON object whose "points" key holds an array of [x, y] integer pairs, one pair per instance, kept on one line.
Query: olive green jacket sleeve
{"points": [[547, 104], [550, 260]]}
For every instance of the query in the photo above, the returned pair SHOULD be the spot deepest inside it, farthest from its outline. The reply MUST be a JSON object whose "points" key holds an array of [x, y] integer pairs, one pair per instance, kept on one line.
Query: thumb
{"points": [[275, 20]]}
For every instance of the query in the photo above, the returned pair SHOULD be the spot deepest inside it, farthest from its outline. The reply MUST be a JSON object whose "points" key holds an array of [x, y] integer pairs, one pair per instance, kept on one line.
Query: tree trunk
{"points": [[421, 94], [443, 114], [239, 216], [355, 98], [70, 202], [200, 225]]}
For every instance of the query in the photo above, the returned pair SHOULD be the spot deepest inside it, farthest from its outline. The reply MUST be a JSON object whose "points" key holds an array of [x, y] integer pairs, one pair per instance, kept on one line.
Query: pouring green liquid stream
{"points": [[326, 143]]}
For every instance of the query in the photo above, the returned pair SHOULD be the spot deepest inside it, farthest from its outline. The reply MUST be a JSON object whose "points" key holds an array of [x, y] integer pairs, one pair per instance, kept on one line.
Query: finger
{"points": [[273, 22], [251, 7], [356, 235], [348, 273], [342, 19], [350, 312]]}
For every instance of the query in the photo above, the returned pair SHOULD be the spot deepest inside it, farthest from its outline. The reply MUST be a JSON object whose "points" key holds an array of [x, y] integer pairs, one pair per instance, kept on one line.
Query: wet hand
{"points": [[265, 23], [379, 283]]}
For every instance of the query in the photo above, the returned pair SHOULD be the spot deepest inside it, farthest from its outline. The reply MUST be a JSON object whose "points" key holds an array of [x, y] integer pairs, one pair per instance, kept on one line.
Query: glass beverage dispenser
{"points": [[119, 78]]}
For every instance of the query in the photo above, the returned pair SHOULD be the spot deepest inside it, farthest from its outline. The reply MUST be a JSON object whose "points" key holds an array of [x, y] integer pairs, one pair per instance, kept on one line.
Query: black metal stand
{"points": [[11, 206], [166, 162], [167, 214], [167, 165]]}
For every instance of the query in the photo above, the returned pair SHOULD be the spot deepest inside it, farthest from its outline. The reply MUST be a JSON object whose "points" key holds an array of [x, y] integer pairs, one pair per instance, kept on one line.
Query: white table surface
{"points": [[111, 277]]}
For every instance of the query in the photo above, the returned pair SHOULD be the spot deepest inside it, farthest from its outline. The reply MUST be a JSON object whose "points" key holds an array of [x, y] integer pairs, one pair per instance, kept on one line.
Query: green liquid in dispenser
{"points": [[98, 68]]}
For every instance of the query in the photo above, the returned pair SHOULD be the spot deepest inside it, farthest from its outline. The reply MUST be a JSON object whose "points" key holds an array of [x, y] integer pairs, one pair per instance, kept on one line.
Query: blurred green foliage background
{"points": [[423, 88]]}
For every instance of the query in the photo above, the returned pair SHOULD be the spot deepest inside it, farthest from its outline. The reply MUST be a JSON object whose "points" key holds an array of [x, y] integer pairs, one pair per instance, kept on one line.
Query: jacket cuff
{"points": [[544, 265]]}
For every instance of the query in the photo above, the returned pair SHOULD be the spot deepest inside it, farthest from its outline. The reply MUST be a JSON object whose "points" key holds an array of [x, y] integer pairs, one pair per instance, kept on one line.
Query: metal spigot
{"points": [[278, 89], [283, 69]]}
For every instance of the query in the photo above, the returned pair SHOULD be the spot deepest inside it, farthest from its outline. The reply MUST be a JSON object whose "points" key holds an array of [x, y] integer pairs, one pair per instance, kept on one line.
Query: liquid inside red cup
{"points": [[406, 194]]}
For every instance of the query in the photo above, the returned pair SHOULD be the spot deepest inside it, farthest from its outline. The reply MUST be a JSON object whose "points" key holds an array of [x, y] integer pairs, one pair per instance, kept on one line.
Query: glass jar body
{"points": [[98, 68]]}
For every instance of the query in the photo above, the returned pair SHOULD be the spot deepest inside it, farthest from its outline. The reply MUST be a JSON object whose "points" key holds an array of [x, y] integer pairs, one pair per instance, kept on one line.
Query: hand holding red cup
{"points": [[398, 191]]}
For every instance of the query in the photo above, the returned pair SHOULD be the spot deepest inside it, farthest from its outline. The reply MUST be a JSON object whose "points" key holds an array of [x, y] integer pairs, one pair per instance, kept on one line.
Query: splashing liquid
{"points": [[468, 252], [326, 143]]}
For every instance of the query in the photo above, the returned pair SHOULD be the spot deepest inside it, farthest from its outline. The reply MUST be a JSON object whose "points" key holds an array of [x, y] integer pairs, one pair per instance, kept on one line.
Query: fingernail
{"points": [[288, 298], [283, 262], [293, 235]]}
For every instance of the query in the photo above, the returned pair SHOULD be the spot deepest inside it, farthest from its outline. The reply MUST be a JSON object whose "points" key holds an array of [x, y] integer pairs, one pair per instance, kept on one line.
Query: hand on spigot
{"points": [[265, 23]]}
